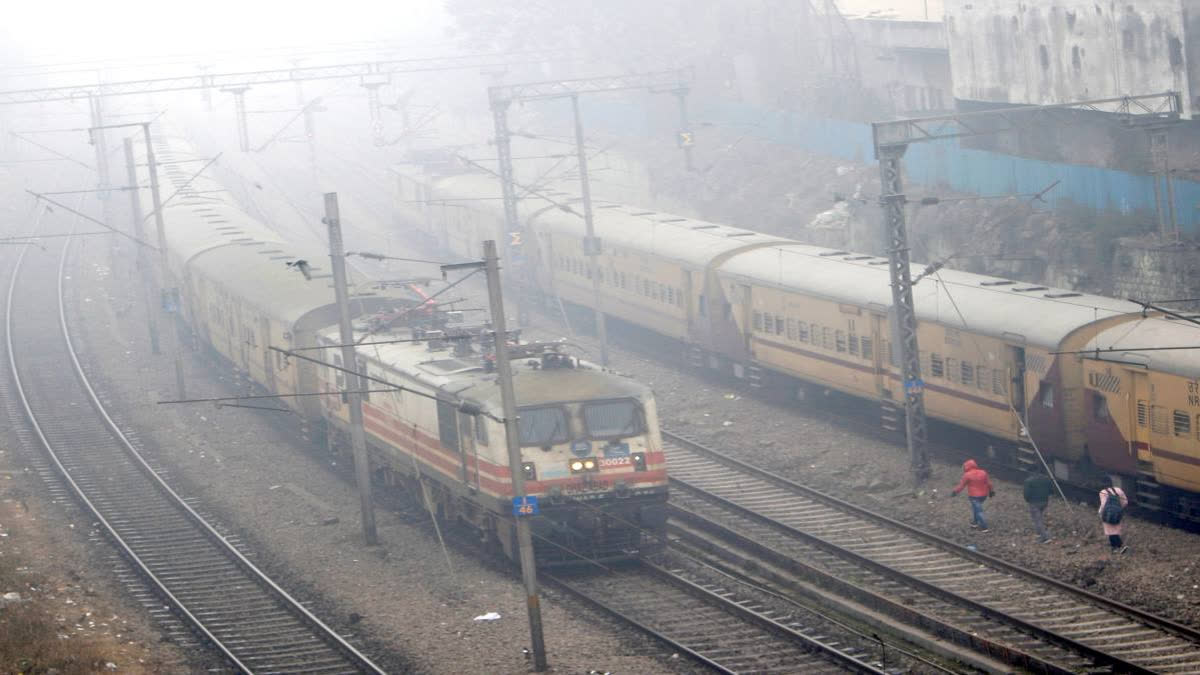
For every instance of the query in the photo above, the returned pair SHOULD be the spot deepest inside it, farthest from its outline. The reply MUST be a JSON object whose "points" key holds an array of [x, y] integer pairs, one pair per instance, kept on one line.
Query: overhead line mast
{"points": [[891, 140]]}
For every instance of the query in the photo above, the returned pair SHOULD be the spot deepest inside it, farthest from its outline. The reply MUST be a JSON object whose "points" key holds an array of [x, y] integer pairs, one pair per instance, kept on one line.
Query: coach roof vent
{"points": [[1002, 282], [672, 220], [1030, 288], [705, 227], [826, 254], [859, 257], [742, 234], [642, 213], [1068, 294], [879, 262]]}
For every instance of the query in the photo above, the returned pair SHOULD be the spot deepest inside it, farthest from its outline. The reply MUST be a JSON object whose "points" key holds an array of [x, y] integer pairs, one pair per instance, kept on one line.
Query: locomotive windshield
{"points": [[542, 426], [612, 418]]}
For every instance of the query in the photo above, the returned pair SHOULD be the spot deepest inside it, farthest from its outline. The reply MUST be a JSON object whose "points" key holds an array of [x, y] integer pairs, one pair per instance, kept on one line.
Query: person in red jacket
{"points": [[979, 488]]}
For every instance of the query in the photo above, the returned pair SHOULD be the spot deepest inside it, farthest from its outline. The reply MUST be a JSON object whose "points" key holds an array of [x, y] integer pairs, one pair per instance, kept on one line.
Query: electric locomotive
{"points": [[591, 450]]}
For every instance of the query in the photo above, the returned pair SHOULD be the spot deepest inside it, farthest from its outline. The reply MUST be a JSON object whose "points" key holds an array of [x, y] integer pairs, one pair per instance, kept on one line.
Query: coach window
{"points": [[828, 341], [1143, 414], [968, 373], [852, 344], [447, 414], [778, 325], [802, 331], [937, 367], [982, 377], [998, 387], [865, 343], [339, 375], [791, 329], [1047, 394], [1182, 423], [363, 382], [701, 306], [840, 341], [1158, 419], [1100, 408]]}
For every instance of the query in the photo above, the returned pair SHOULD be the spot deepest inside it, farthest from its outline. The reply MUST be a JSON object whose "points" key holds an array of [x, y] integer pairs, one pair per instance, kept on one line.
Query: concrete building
{"points": [[905, 62], [1056, 51]]}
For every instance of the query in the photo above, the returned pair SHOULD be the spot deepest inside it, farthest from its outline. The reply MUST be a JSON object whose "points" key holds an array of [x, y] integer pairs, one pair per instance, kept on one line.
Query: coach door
{"points": [[1016, 379], [874, 348], [267, 362], [1141, 413]]}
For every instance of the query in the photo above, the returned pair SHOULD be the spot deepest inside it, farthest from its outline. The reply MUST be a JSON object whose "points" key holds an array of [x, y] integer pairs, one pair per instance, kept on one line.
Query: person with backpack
{"points": [[979, 488], [1112, 508], [1037, 491]]}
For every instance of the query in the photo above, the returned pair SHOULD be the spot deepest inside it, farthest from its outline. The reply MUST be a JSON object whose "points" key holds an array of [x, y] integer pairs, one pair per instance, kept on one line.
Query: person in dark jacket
{"points": [[1037, 495], [979, 488]]}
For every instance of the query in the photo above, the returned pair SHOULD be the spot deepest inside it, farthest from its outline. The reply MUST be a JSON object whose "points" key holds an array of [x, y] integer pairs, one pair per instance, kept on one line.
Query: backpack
{"points": [[1113, 510]]}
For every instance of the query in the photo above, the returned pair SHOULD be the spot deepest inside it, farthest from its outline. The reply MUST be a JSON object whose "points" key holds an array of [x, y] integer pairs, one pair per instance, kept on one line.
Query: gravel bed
{"points": [[302, 520]]}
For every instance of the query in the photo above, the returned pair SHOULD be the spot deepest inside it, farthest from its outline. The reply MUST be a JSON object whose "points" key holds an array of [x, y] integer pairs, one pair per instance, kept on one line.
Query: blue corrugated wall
{"points": [[942, 163]]}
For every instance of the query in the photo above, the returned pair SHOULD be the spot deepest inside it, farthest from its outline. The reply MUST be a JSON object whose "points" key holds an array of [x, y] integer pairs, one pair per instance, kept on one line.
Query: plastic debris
{"points": [[274, 487], [11, 596], [490, 616], [726, 423]]}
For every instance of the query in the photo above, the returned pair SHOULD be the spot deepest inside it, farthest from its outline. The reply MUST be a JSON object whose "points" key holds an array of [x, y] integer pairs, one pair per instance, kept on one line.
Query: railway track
{"points": [[715, 624], [1026, 619], [193, 569]]}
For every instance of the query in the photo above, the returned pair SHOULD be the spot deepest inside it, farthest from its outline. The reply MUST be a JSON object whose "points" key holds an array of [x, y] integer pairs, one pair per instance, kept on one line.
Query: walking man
{"points": [[1111, 514], [1037, 495], [979, 488]]}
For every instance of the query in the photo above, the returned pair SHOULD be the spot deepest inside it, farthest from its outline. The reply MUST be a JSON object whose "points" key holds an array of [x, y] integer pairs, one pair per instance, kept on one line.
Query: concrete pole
{"points": [[243, 128], [508, 400], [684, 126], [591, 244], [104, 180], [143, 265], [165, 282], [513, 248], [358, 437]]}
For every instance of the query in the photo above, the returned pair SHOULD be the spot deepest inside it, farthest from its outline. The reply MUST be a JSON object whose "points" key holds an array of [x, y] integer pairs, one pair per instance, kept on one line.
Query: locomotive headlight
{"points": [[639, 461], [589, 464], [576, 466], [530, 472]]}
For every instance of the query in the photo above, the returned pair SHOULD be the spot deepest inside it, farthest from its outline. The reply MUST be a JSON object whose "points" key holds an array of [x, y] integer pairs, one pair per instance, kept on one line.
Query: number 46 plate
{"points": [[525, 506]]}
